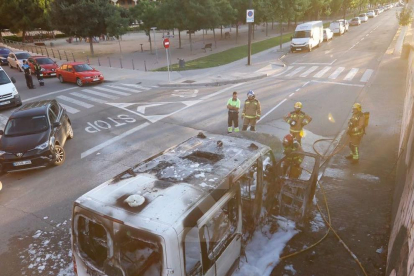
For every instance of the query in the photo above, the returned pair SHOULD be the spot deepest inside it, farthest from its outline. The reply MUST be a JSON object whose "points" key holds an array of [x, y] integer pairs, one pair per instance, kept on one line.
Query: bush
{"points": [[405, 16], [13, 38]]}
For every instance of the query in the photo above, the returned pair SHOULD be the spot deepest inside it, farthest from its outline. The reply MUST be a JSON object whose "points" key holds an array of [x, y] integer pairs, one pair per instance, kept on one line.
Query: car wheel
{"points": [[79, 82], [61, 79], [59, 155], [70, 132]]}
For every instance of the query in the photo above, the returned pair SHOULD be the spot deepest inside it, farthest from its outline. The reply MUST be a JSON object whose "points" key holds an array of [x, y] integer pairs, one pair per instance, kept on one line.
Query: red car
{"points": [[79, 73], [48, 65]]}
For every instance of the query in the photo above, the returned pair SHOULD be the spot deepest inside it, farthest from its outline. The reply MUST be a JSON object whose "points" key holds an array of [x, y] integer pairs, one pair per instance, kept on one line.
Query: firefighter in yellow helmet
{"points": [[297, 119], [356, 129], [292, 149]]}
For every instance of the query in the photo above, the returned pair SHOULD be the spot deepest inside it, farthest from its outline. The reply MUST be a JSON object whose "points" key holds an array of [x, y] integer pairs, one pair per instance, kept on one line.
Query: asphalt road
{"points": [[120, 126]]}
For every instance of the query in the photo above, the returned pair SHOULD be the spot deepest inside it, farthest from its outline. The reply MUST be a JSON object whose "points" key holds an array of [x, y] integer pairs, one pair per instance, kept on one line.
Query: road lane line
{"points": [[310, 70], [297, 90], [51, 93], [112, 91], [367, 75], [297, 70], [87, 97], [306, 83], [113, 140], [351, 74], [124, 89], [322, 72], [69, 109], [336, 73], [103, 95], [287, 70], [362, 38], [271, 110], [74, 101], [291, 94]]}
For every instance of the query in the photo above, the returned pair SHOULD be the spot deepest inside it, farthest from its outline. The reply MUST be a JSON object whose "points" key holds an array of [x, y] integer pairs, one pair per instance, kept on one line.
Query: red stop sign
{"points": [[166, 43]]}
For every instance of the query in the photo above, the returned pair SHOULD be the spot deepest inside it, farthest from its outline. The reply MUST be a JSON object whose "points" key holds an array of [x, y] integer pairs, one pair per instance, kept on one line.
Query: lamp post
{"points": [[155, 43]]}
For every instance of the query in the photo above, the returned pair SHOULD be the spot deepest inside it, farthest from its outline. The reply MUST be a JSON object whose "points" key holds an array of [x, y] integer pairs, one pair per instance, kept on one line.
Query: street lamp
{"points": [[155, 43]]}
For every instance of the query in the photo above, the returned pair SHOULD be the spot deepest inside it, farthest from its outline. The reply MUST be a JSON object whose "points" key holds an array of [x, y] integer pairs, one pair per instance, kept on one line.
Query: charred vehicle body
{"points": [[184, 211]]}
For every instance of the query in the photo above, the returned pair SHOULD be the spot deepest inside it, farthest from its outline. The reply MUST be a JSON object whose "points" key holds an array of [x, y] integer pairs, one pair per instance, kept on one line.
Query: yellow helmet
{"points": [[298, 105], [357, 106]]}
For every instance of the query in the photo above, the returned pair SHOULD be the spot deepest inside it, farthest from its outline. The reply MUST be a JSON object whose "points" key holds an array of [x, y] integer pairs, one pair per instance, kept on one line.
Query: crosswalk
{"points": [[85, 98], [328, 72]]}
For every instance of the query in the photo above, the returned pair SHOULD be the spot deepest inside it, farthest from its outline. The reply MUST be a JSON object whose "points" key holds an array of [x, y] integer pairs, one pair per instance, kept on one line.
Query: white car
{"points": [[346, 24], [337, 27], [9, 97], [363, 17], [15, 59], [327, 34], [371, 14]]}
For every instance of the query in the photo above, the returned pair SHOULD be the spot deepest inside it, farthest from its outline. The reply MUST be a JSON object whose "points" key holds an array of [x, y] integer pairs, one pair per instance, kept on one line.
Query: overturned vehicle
{"points": [[187, 210]]}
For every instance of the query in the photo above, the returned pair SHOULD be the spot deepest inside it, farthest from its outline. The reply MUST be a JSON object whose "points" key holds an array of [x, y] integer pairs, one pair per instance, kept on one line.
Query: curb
{"points": [[217, 83]]}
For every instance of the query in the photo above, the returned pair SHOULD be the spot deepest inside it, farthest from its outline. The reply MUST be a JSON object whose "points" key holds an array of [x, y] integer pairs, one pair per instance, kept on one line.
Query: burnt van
{"points": [[184, 211]]}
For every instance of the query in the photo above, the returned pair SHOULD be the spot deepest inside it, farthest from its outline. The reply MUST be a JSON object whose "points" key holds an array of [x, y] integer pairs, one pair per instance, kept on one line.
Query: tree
{"points": [[87, 18], [240, 7], [405, 16]]}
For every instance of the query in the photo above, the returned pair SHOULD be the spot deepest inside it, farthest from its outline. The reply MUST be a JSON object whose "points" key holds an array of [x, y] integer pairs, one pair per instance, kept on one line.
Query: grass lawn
{"points": [[229, 55]]}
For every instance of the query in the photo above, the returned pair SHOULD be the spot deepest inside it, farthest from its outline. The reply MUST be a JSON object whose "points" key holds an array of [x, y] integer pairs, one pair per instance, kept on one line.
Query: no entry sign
{"points": [[166, 43]]}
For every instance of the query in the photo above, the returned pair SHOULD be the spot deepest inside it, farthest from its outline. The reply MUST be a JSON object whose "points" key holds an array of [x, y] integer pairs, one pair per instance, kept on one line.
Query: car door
{"points": [[56, 131], [12, 60], [71, 74], [63, 71], [62, 130]]}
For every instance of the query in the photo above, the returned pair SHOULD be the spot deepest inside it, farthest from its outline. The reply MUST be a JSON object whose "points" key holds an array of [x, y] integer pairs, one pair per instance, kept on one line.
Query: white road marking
{"points": [[125, 89], [3, 120], [351, 74], [136, 86], [87, 97], [362, 38], [297, 70], [103, 95], [316, 63], [336, 73], [112, 91], [74, 101], [291, 94], [339, 83], [271, 110], [322, 72], [141, 109], [310, 70], [154, 86], [69, 109], [367, 75], [113, 140], [297, 90], [306, 83], [287, 70], [51, 93], [220, 91]]}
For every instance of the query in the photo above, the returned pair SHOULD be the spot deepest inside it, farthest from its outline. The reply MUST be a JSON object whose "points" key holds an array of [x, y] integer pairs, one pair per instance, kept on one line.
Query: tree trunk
{"points": [[150, 41], [179, 39], [203, 37], [281, 33], [266, 28], [173, 31], [273, 23], [237, 31], [191, 43], [24, 36], [288, 27], [221, 31], [91, 45], [214, 35]]}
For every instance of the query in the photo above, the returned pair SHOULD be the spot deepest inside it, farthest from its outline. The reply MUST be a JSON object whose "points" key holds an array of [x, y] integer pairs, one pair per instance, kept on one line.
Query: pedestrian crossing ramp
{"points": [[328, 72], [83, 99]]}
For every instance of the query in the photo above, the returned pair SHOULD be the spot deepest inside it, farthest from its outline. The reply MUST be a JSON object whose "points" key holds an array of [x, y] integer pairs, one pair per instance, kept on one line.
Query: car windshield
{"points": [[355, 19], [26, 125], [22, 55], [362, 15], [4, 79], [43, 61], [302, 34], [82, 68]]}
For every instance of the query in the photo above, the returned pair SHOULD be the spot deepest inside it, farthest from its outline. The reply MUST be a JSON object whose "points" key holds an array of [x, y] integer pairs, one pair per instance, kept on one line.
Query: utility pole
{"points": [[249, 44], [155, 43]]}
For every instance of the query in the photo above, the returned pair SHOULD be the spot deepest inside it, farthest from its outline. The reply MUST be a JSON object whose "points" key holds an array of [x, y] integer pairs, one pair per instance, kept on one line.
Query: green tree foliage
{"points": [[405, 16]]}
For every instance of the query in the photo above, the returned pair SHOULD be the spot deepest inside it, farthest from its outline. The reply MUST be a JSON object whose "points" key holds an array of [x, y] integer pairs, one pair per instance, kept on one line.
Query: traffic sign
{"points": [[166, 43], [250, 16]]}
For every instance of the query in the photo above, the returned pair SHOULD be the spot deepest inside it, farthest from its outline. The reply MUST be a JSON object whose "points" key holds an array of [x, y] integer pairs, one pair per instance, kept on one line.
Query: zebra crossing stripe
{"points": [[310, 70], [287, 70], [87, 97], [103, 95], [367, 75], [74, 101], [135, 86], [69, 109], [297, 70], [336, 73], [351, 74], [322, 72], [112, 91], [124, 89]]}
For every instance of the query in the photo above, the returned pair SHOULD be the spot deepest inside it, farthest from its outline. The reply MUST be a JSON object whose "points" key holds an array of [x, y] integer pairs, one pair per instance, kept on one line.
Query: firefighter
{"points": [[292, 149], [39, 74], [297, 120], [233, 105], [251, 112], [356, 129]]}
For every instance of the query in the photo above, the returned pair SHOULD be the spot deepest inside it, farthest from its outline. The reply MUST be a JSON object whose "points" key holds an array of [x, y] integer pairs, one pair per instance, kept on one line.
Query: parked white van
{"points": [[337, 27], [307, 36], [9, 96], [183, 212]]}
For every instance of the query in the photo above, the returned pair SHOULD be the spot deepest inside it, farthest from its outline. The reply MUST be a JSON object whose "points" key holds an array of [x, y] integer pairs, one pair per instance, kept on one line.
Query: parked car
{"points": [[377, 12], [327, 34], [9, 97], [337, 27], [4, 53], [15, 59], [356, 21], [48, 65], [363, 17], [34, 137], [79, 73], [307, 36], [346, 24], [371, 14]]}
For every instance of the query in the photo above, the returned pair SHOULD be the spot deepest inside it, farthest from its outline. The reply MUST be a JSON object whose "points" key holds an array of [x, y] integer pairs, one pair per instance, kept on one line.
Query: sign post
{"points": [[249, 20], [166, 43]]}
